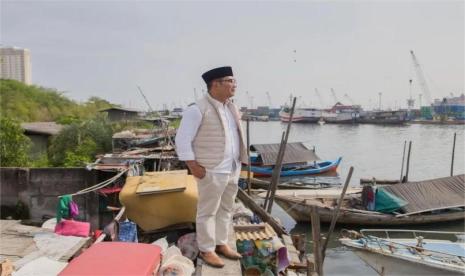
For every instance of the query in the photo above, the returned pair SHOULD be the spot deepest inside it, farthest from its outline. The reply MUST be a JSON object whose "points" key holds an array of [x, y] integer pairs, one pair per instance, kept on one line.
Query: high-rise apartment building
{"points": [[15, 64]]}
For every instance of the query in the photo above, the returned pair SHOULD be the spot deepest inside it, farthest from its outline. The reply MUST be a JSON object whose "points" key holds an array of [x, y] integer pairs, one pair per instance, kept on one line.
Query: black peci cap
{"points": [[217, 73]]}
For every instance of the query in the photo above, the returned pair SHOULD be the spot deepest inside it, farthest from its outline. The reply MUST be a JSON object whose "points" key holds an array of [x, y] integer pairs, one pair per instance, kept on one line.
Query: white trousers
{"points": [[217, 192]]}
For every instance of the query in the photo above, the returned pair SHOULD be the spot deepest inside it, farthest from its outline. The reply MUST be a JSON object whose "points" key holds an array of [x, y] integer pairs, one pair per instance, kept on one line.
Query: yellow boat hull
{"points": [[159, 210]]}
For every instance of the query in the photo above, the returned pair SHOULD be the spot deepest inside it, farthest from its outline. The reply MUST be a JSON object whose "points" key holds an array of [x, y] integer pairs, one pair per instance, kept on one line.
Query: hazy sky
{"points": [[108, 48]]}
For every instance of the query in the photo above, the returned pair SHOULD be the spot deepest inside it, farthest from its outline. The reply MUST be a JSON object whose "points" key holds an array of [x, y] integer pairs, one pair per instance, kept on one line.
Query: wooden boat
{"points": [[299, 169], [299, 210], [414, 255], [450, 205], [298, 160]]}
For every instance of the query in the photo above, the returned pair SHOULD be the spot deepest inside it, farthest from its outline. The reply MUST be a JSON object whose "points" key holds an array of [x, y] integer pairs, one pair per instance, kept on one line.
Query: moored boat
{"points": [[415, 255], [398, 117], [342, 114], [301, 115], [430, 201], [298, 159], [294, 170]]}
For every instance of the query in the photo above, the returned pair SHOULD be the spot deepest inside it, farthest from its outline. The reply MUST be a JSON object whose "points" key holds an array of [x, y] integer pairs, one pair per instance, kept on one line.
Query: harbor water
{"points": [[373, 151]]}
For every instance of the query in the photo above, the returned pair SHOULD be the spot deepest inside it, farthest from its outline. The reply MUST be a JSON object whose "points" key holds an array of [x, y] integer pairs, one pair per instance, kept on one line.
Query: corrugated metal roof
{"points": [[124, 109], [264, 234], [47, 128], [434, 194], [295, 153]]}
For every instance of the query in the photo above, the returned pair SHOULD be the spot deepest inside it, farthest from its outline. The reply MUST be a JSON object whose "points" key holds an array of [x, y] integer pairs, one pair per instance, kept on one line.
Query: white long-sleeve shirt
{"points": [[190, 124]]}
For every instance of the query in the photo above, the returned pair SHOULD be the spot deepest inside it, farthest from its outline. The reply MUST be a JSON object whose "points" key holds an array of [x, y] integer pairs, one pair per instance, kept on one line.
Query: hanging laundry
{"points": [[66, 208], [63, 207]]}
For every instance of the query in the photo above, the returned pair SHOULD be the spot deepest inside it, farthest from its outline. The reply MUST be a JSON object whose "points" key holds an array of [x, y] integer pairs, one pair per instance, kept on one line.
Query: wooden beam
{"points": [[336, 213], [279, 162], [318, 258], [264, 216]]}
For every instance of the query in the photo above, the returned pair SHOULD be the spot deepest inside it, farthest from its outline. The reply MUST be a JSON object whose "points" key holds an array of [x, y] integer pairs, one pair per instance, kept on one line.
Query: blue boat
{"points": [[312, 168]]}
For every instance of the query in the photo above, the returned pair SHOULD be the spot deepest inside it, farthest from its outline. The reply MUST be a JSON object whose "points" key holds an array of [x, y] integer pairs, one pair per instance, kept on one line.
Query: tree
{"points": [[79, 142], [14, 145]]}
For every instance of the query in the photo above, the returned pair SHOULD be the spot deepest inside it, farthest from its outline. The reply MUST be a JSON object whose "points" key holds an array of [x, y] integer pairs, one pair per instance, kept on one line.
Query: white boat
{"points": [[301, 115], [340, 114], [443, 254]]}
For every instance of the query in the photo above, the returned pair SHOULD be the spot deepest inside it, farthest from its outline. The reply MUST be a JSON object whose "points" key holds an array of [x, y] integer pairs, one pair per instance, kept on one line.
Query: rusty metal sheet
{"points": [[264, 234], [434, 194], [295, 153]]}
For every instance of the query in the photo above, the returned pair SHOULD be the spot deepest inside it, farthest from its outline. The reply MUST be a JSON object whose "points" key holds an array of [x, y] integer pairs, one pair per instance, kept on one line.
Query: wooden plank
{"points": [[315, 218], [264, 216], [378, 181], [162, 183], [292, 251]]}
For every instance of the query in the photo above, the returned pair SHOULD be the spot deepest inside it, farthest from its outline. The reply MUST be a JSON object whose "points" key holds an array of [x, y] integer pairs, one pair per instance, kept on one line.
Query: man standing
{"points": [[210, 141]]}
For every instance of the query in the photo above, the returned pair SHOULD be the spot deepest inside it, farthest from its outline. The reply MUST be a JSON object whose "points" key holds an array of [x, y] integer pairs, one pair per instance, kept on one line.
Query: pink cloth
{"points": [[73, 209], [72, 228]]}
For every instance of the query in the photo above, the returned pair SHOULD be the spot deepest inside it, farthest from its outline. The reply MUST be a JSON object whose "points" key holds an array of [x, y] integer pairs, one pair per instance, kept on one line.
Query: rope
{"points": [[99, 185]]}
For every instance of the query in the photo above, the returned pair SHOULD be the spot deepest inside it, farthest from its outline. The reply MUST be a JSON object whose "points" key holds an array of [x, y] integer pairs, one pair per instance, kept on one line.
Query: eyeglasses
{"points": [[228, 80]]}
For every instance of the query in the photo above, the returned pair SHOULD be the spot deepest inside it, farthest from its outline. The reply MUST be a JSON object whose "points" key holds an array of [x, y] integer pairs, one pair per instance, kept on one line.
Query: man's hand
{"points": [[196, 170]]}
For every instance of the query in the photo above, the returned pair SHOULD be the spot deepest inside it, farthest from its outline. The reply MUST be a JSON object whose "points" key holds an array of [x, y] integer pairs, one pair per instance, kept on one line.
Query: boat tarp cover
{"points": [[295, 153], [428, 195], [385, 202]]}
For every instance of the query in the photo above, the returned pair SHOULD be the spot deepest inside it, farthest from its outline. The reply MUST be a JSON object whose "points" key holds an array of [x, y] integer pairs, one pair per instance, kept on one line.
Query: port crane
{"points": [[349, 99], [146, 101], [336, 100], [421, 79], [269, 99], [319, 98]]}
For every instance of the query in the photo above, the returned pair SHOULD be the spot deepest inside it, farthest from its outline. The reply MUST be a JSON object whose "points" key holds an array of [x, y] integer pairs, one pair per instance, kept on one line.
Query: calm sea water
{"points": [[373, 151]]}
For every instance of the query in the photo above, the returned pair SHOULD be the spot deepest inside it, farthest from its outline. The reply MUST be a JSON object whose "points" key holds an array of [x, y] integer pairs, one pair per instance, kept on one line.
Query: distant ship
{"points": [[340, 114], [301, 115], [397, 117]]}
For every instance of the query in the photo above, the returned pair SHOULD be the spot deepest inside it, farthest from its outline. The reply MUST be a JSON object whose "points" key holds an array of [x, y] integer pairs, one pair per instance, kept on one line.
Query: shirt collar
{"points": [[217, 103]]}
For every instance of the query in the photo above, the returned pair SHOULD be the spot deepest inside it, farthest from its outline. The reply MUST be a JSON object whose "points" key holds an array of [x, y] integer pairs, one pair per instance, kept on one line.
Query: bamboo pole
{"points": [[316, 238], [277, 169], [453, 155], [336, 213], [249, 158], [408, 162], [403, 159]]}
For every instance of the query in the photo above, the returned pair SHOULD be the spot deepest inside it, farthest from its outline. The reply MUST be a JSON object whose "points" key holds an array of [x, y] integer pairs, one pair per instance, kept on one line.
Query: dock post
{"points": [[403, 159], [316, 238], [249, 158], [272, 182], [453, 155], [279, 163], [408, 162], [336, 214]]}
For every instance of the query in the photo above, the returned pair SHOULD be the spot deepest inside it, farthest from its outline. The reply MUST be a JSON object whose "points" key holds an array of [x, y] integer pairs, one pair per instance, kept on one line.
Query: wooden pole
{"points": [[336, 213], [408, 162], [453, 155], [277, 169], [270, 186], [403, 159], [264, 216], [249, 158], [315, 219]]}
